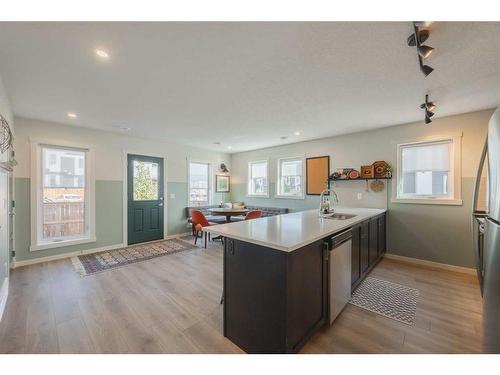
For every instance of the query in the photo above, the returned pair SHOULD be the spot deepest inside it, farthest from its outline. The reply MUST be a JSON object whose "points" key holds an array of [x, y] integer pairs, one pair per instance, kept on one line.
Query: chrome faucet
{"points": [[324, 209]]}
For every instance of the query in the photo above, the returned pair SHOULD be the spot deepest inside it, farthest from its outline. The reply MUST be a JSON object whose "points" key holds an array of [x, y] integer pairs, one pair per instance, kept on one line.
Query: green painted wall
{"points": [[433, 232], [109, 219]]}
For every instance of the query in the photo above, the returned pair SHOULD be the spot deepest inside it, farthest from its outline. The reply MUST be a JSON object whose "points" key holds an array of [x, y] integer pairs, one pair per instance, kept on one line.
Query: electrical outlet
{"points": [[360, 196]]}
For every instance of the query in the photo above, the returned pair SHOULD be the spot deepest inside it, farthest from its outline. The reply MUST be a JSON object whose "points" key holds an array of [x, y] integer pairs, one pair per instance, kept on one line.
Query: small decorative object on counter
{"points": [[380, 169], [377, 186], [367, 171]]}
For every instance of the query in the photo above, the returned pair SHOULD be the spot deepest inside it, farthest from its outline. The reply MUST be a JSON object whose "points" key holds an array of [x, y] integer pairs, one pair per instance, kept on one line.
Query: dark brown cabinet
{"points": [[355, 254], [368, 246], [381, 235], [364, 247], [281, 298], [373, 240]]}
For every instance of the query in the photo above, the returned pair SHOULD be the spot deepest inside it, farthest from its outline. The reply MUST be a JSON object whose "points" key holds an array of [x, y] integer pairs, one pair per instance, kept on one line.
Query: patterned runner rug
{"points": [[106, 260], [391, 300]]}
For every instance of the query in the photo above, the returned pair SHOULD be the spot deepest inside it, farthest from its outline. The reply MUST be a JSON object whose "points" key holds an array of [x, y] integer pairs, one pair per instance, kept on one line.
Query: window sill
{"points": [[443, 202], [258, 196], [53, 245], [290, 197]]}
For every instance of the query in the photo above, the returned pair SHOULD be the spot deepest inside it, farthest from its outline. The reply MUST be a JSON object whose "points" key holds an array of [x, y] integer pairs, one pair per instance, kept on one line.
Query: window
{"points": [[199, 184], [258, 179], [429, 172], [290, 178], [145, 181], [62, 197]]}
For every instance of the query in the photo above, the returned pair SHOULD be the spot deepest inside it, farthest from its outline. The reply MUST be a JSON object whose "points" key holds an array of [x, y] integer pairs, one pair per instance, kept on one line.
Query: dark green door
{"points": [[145, 198]]}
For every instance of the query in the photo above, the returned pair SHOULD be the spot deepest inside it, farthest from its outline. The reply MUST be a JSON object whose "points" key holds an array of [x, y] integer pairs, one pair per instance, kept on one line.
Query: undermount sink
{"points": [[340, 216]]}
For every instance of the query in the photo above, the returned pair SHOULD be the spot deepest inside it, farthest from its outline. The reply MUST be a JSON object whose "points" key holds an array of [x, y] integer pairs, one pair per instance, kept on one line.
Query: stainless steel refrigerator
{"points": [[486, 231]]}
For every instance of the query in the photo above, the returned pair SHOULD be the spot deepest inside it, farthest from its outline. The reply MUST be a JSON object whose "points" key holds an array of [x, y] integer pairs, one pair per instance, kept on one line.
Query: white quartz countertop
{"points": [[292, 231]]}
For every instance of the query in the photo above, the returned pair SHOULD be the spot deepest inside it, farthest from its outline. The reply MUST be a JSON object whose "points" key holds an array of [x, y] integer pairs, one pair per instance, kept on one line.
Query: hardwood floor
{"points": [[171, 305]]}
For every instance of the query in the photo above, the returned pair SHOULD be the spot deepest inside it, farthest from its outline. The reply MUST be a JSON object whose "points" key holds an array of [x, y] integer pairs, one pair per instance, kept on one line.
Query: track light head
{"points": [[428, 107], [426, 69], [425, 51], [411, 41], [422, 37]]}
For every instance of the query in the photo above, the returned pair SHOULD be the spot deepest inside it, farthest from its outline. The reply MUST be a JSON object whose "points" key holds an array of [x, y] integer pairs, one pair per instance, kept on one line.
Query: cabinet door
{"points": [[364, 248], [381, 235], [373, 242], [355, 255]]}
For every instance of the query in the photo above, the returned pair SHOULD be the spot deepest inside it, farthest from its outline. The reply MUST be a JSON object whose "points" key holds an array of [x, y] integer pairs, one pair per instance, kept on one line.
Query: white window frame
{"points": [[249, 179], [279, 194], [36, 195], [210, 177], [455, 173]]}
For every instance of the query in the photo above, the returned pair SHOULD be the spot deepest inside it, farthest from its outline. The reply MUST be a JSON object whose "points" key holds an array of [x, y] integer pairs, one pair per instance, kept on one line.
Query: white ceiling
{"points": [[244, 84]]}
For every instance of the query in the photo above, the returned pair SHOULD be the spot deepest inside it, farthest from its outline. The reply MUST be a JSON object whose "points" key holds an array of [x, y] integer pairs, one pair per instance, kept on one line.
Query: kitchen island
{"points": [[276, 274]]}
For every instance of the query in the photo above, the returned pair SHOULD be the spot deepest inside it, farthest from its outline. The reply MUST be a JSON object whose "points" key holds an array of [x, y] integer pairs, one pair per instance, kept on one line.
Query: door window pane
{"points": [[145, 184], [63, 193], [199, 184]]}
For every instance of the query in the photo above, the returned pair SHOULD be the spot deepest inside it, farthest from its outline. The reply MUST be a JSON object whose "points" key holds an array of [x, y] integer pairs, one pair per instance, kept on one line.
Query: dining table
{"points": [[228, 212]]}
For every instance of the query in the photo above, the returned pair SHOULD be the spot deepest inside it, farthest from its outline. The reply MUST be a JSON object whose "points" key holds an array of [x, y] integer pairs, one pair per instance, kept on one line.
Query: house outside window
{"points": [[258, 179], [62, 196]]}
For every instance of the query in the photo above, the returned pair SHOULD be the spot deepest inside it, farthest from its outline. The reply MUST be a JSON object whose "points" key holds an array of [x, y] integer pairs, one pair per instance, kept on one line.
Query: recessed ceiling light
{"points": [[102, 53], [297, 133], [230, 147], [283, 137], [72, 115], [217, 143]]}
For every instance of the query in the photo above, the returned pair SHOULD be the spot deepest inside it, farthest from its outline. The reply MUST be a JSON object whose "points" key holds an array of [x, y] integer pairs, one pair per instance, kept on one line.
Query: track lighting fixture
{"points": [[428, 107], [415, 40], [426, 69]]}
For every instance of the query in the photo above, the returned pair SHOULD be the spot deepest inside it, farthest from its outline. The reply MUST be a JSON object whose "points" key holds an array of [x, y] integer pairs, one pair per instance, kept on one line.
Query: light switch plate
{"points": [[360, 196]]}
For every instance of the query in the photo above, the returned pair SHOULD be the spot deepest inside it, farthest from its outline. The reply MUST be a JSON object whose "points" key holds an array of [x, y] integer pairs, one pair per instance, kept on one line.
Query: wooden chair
{"points": [[199, 222], [255, 214]]}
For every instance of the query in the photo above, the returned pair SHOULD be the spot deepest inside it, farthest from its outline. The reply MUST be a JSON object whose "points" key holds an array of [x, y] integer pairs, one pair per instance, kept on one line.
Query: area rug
{"points": [[93, 263], [391, 300]]}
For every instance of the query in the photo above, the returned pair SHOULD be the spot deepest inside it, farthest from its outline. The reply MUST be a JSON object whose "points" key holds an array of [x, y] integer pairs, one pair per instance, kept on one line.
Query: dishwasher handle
{"points": [[340, 238]]}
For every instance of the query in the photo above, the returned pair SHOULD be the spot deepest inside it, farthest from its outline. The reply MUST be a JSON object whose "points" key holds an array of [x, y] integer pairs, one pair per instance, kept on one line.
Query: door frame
{"points": [[125, 153]]}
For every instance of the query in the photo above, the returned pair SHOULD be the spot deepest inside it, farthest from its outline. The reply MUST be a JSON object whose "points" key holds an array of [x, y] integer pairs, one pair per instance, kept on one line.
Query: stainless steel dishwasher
{"points": [[339, 275]]}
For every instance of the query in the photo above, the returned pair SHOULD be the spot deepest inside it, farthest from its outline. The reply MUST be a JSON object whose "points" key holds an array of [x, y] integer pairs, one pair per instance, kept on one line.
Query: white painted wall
{"points": [[108, 149], [4, 208]]}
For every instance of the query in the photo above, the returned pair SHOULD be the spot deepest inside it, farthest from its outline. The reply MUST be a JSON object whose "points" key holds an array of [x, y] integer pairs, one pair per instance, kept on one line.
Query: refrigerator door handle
{"points": [[476, 243], [478, 178]]}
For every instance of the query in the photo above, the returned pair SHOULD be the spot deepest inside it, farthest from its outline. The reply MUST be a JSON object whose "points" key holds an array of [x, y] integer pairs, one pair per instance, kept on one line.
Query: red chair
{"points": [[199, 221], [255, 214]]}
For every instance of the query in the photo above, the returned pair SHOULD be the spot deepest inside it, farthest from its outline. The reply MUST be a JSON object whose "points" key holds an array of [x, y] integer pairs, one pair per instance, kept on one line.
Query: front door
{"points": [[145, 198]]}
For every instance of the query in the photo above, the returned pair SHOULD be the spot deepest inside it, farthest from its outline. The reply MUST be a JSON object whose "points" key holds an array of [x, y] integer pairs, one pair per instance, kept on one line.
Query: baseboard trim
{"points": [[22, 263], [4, 293], [428, 263]]}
